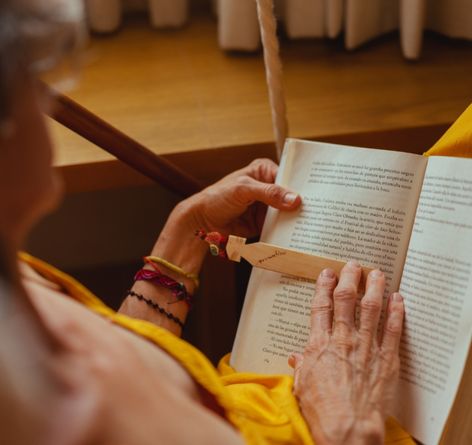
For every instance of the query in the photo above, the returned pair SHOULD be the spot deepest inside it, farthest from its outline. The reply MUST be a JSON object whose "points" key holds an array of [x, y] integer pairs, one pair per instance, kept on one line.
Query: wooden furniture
{"points": [[133, 154]]}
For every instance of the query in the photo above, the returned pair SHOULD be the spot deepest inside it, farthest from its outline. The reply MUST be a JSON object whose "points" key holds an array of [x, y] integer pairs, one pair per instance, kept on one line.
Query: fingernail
{"points": [[353, 263], [291, 360], [376, 274], [327, 273], [290, 198], [397, 297]]}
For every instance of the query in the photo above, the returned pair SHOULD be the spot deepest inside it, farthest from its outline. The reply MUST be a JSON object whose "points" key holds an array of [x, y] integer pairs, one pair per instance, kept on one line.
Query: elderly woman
{"points": [[74, 372]]}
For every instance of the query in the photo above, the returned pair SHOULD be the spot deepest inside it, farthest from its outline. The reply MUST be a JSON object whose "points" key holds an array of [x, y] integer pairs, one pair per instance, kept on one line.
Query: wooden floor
{"points": [[176, 91]]}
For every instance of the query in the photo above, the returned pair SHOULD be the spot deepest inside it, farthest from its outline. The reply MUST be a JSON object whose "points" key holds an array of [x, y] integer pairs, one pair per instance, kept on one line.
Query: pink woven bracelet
{"points": [[179, 291]]}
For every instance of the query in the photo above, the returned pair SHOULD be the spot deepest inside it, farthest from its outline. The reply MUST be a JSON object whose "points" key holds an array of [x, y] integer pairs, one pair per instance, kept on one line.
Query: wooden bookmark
{"points": [[285, 261]]}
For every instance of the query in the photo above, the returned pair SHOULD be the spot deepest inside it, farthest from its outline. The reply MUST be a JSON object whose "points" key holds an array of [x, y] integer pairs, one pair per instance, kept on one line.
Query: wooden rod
{"points": [[86, 124]]}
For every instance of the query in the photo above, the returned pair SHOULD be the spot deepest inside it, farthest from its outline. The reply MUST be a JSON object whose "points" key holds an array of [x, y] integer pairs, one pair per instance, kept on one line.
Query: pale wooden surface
{"points": [[176, 92]]}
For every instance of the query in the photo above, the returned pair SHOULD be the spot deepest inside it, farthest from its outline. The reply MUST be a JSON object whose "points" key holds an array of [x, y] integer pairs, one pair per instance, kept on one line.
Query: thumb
{"points": [[271, 194], [295, 360]]}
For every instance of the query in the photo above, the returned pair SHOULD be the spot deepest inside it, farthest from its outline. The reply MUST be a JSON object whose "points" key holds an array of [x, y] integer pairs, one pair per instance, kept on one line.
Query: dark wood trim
{"points": [[86, 124]]}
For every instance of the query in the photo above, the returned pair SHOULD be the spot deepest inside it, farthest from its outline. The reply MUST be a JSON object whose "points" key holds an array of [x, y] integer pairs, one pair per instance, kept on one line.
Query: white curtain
{"points": [[360, 20], [105, 16]]}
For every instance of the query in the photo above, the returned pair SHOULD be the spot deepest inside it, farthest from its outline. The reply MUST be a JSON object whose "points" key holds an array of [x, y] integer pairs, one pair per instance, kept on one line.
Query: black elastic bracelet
{"points": [[156, 307]]}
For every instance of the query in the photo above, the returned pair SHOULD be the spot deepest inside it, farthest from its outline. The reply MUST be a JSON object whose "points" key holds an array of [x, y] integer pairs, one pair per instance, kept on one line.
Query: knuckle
{"points": [[259, 167], [371, 305], [318, 341], [396, 309], [366, 331], [345, 292], [241, 186], [242, 181], [365, 342], [311, 349], [368, 325], [260, 163], [325, 283], [394, 322], [321, 307], [257, 163], [393, 328], [274, 192], [344, 341]]}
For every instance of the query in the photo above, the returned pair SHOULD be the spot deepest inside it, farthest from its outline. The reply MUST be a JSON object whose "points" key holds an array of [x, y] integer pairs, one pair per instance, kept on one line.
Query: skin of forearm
{"points": [[177, 244]]}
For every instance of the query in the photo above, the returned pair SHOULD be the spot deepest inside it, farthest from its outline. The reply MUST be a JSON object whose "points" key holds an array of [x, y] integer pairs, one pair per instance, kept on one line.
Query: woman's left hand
{"points": [[345, 380], [237, 203]]}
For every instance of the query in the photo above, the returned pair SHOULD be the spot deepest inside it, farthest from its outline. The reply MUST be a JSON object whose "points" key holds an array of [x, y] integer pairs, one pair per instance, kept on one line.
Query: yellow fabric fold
{"points": [[261, 407], [457, 141]]}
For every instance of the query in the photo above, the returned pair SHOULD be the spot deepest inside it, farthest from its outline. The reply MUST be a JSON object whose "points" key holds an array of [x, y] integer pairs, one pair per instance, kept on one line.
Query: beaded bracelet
{"points": [[179, 291], [173, 268], [156, 307]]}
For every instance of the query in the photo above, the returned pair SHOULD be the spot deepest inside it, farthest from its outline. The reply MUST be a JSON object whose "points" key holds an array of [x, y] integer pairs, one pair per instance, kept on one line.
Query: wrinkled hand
{"points": [[237, 203], [345, 379]]}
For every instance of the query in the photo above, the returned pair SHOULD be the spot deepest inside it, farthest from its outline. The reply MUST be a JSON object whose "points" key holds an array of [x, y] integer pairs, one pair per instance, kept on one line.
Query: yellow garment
{"points": [[261, 407], [457, 141]]}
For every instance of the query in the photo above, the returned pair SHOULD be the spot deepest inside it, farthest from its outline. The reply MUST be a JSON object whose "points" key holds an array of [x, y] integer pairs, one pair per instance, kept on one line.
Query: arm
{"points": [[345, 380], [235, 205]]}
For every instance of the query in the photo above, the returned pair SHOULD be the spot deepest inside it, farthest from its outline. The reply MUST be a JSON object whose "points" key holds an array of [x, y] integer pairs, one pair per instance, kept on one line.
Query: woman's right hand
{"points": [[345, 380]]}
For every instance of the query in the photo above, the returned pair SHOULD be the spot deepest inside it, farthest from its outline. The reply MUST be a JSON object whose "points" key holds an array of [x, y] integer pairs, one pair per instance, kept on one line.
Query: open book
{"points": [[412, 217]]}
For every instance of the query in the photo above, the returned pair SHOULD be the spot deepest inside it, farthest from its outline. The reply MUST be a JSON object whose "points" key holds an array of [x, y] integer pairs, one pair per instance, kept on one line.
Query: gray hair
{"points": [[36, 35]]}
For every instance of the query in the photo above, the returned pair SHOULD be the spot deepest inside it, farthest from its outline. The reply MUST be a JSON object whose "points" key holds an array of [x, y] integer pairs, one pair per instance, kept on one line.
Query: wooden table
{"points": [[180, 95]]}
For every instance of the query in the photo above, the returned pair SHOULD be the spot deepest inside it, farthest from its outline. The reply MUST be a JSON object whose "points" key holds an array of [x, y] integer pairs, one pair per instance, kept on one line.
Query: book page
{"points": [[437, 288], [357, 204]]}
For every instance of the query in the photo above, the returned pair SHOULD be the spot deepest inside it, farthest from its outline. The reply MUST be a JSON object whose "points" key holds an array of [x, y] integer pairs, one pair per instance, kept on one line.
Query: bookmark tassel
{"points": [[215, 240]]}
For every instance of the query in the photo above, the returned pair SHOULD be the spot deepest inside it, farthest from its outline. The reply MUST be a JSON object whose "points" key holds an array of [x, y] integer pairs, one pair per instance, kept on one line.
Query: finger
{"points": [[322, 305], [264, 170], [371, 306], [393, 325], [295, 360], [345, 297], [274, 195], [390, 363]]}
